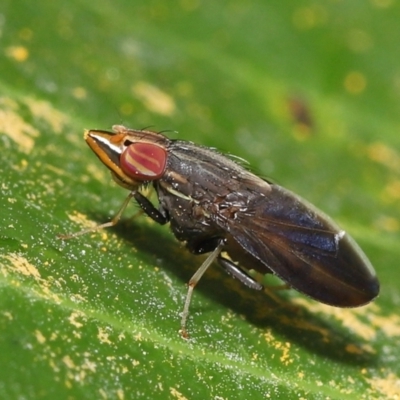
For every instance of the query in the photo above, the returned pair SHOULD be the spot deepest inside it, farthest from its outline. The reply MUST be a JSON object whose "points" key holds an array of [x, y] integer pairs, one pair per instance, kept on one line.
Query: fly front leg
{"points": [[108, 224], [148, 207]]}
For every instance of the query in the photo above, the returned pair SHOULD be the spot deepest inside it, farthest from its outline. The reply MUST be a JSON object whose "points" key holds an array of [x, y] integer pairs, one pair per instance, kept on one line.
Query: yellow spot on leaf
{"points": [[176, 394], [44, 110], [120, 394], [18, 53], [135, 363], [103, 336], [40, 337], [389, 386], [82, 219], [392, 190], [79, 93], [13, 125], [389, 324], [8, 315], [73, 319], [384, 155], [68, 362], [22, 265], [285, 348], [355, 82], [154, 98], [348, 317]]}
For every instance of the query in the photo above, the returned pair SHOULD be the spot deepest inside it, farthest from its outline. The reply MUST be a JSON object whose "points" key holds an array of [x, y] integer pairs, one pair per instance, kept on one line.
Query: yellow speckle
{"points": [[12, 200], [269, 337], [350, 380], [389, 324], [40, 337], [176, 394], [24, 164], [124, 370], [44, 110], [154, 99], [98, 173], [385, 155], [88, 365], [13, 125], [18, 53], [79, 93], [392, 190], [81, 219], [355, 82], [135, 363], [389, 386], [68, 362], [103, 336], [8, 315], [348, 317], [73, 319], [22, 265], [120, 394], [285, 348]]}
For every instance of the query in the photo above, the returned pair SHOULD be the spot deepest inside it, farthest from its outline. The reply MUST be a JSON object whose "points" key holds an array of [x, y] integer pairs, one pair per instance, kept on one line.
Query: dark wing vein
{"points": [[303, 247]]}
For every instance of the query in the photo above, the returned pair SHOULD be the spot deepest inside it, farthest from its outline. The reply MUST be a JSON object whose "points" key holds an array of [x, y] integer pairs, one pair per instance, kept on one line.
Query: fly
{"points": [[217, 206]]}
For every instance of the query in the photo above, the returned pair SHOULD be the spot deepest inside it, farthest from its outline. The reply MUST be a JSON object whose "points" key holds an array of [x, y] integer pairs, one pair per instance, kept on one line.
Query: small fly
{"points": [[217, 206]]}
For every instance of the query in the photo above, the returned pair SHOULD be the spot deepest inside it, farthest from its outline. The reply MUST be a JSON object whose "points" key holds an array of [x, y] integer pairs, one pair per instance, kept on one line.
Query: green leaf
{"points": [[307, 92]]}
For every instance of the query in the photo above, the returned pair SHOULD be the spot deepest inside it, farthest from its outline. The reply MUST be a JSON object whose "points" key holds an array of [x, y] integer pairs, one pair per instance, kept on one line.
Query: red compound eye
{"points": [[144, 161]]}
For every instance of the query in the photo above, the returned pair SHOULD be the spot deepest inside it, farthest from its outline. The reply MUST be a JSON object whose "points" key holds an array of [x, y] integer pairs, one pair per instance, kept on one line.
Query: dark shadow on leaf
{"points": [[295, 323]]}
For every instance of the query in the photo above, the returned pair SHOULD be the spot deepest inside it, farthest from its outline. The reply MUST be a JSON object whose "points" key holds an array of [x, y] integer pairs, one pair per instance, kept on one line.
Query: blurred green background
{"points": [[308, 93]]}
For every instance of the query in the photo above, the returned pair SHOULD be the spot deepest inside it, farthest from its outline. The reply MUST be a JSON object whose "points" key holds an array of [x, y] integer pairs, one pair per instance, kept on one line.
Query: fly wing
{"points": [[303, 247]]}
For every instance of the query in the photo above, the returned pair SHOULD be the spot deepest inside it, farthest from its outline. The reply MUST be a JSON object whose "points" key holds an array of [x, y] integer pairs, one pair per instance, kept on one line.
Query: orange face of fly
{"points": [[133, 157]]}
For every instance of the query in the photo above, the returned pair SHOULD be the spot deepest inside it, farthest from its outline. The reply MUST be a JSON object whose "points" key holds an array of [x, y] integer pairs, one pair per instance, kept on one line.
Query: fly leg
{"points": [[113, 222], [193, 282], [238, 273], [148, 207], [143, 202]]}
